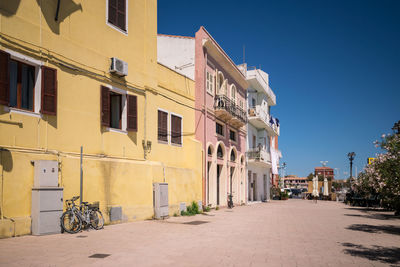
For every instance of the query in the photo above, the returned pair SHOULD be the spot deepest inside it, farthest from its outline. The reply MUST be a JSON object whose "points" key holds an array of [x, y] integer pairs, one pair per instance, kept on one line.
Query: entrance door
{"points": [[231, 179], [249, 186], [265, 187], [208, 181], [219, 169], [255, 187]]}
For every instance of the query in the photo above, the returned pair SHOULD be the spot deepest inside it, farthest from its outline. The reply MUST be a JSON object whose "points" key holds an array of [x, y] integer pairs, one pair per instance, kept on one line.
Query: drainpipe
{"points": [[2, 184], [205, 125], [144, 127]]}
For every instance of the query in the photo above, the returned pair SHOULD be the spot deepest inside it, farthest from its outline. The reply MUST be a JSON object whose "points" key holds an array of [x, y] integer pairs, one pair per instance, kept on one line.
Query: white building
{"points": [[262, 131]]}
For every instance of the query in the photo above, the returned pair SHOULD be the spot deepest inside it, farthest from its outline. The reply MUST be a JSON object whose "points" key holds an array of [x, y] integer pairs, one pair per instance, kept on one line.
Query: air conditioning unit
{"points": [[119, 67]]}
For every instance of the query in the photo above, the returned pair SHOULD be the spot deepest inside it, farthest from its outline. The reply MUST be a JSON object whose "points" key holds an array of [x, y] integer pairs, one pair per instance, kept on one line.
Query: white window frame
{"points": [[124, 110], [170, 128], [37, 64], [210, 82], [126, 19]]}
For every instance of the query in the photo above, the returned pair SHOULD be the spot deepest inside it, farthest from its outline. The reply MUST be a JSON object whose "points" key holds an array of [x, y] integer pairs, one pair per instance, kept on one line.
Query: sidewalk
{"points": [[278, 233]]}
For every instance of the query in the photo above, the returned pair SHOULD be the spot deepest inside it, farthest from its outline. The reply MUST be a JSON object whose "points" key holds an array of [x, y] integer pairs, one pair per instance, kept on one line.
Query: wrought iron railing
{"points": [[223, 102], [258, 154]]}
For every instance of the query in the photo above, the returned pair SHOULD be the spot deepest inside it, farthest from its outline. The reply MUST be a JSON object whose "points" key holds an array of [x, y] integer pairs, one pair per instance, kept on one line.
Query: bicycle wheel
{"points": [[96, 219], [70, 222]]}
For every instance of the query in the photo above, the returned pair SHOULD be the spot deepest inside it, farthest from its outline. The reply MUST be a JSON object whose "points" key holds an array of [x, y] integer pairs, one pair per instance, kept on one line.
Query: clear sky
{"points": [[334, 67]]}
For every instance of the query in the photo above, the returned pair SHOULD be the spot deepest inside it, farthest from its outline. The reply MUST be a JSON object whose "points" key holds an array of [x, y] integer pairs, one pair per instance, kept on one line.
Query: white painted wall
{"points": [[177, 53]]}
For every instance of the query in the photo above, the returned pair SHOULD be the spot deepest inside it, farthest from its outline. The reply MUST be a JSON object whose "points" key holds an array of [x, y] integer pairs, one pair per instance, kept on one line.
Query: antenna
{"points": [[324, 163]]}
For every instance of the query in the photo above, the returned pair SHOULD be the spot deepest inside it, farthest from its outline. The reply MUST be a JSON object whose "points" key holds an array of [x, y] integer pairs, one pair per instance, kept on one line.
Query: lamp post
{"points": [[283, 174], [351, 156]]}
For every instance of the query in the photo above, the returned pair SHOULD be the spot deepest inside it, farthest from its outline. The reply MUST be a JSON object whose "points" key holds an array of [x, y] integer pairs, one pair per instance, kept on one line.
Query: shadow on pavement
{"points": [[374, 253], [388, 229], [376, 216]]}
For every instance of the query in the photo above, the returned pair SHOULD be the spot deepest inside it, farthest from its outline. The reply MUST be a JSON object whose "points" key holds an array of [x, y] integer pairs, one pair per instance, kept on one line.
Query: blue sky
{"points": [[334, 66]]}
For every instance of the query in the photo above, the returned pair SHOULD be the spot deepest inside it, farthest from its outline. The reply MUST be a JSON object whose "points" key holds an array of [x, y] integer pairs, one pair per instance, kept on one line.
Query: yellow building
{"points": [[59, 91]]}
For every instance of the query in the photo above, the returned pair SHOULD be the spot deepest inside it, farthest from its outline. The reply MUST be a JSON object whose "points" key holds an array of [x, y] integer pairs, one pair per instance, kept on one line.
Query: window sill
{"points": [[178, 145], [125, 32], [220, 136], [108, 129], [210, 93], [22, 111], [163, 142]]}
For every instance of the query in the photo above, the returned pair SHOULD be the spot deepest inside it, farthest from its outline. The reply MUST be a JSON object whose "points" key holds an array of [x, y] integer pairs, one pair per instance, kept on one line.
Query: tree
{"points": [[382, 176], [310, 176]]}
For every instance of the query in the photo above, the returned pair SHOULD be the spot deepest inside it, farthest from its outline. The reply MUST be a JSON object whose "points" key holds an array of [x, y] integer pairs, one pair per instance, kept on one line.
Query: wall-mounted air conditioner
{"points": [[119, 67]]}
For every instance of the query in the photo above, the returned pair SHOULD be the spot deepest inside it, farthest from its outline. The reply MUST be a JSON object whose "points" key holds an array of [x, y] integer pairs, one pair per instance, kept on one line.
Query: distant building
{"points": [[324, 172], [292, 181]]}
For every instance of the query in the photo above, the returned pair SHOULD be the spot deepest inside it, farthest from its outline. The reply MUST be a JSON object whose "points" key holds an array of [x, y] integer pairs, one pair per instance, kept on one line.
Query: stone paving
{"points": [[278, 233]]}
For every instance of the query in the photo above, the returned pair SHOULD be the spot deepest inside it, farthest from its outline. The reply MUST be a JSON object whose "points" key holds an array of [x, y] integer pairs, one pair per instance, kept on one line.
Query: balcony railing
{"points": [[259, 154], [231, 111], [260, 113]]}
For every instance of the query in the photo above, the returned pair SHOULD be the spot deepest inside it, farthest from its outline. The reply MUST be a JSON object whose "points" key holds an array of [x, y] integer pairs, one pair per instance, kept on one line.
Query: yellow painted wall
{"points": [[116, 170]]}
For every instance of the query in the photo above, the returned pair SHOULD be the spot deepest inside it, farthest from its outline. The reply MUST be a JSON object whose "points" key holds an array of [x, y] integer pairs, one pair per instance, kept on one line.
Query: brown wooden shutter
{"points": [[162, 126], [132, 113], [112, 11], [176, 129], [49, 91], [4, 78], [121, 13], [105, 106]]}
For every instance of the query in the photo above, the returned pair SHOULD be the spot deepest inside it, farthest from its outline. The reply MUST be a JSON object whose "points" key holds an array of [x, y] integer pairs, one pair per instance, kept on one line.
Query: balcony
{"points": [[228, 111], [259, 156], [260, 119]]}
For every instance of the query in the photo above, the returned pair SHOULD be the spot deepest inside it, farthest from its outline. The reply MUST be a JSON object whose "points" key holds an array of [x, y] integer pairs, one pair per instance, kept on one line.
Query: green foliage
{"points": [[284, 194], [216, 208], [275, 191], [310, 176], [191, 210], [207, 209], [175, 214], [382, 176]]}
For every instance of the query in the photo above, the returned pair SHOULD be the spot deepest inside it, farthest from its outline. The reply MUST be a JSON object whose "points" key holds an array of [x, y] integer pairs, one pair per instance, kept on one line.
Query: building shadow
{"points": [[375, 253], [375, 216], [53, 16], [9, 8], [387, 229]]}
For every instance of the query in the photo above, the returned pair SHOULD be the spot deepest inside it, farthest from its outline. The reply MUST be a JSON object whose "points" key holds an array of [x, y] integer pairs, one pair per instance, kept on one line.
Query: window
{"points": [[22, 82], [176, 130], [115, 110], [209, 152], [117, 13], [162, 126], [20, 87], [219, 129], [232, 135], [210, 83], [220, 152], [118, 109], [233, 93], [233, 155], [253, 102]]}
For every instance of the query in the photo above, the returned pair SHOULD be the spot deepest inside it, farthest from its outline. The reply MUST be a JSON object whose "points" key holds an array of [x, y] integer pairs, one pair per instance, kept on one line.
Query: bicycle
{"points": [[86, 215]]}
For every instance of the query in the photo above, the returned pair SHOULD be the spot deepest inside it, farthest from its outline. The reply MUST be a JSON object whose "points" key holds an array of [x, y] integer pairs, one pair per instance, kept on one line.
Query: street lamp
{"points": [[351, 156], [283, 174]]}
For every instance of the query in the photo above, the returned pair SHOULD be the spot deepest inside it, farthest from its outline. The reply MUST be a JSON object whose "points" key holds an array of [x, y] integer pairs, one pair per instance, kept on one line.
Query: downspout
{"points": [[205, 131], [2, 184], [144, 127]]}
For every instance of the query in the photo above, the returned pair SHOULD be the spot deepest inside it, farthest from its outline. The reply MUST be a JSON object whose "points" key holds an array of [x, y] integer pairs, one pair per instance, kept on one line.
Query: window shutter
{"points": [[121, 11], [112, 11], [49, 91], [105, 106], [4, 78], [176, 129], [162, 126], [132, 113]]}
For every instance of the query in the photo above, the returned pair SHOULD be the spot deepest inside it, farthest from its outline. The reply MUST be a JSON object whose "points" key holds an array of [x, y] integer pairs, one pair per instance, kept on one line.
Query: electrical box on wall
{"points": [[160, 199], [46, 173]]}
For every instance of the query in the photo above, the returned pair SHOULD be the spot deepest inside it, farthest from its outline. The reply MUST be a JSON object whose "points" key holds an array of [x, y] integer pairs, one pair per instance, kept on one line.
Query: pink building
{"points": [[220, 111]]}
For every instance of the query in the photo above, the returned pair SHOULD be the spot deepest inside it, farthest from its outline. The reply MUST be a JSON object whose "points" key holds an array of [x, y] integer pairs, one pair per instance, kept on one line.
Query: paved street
{"points": [[279, 233]]}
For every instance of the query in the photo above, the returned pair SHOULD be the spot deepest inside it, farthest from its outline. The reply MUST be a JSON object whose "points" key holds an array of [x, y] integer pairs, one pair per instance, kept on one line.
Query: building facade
{"points": [[262, 133], [324, 172], [59, 90], [220, 111], [292, 181]]}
